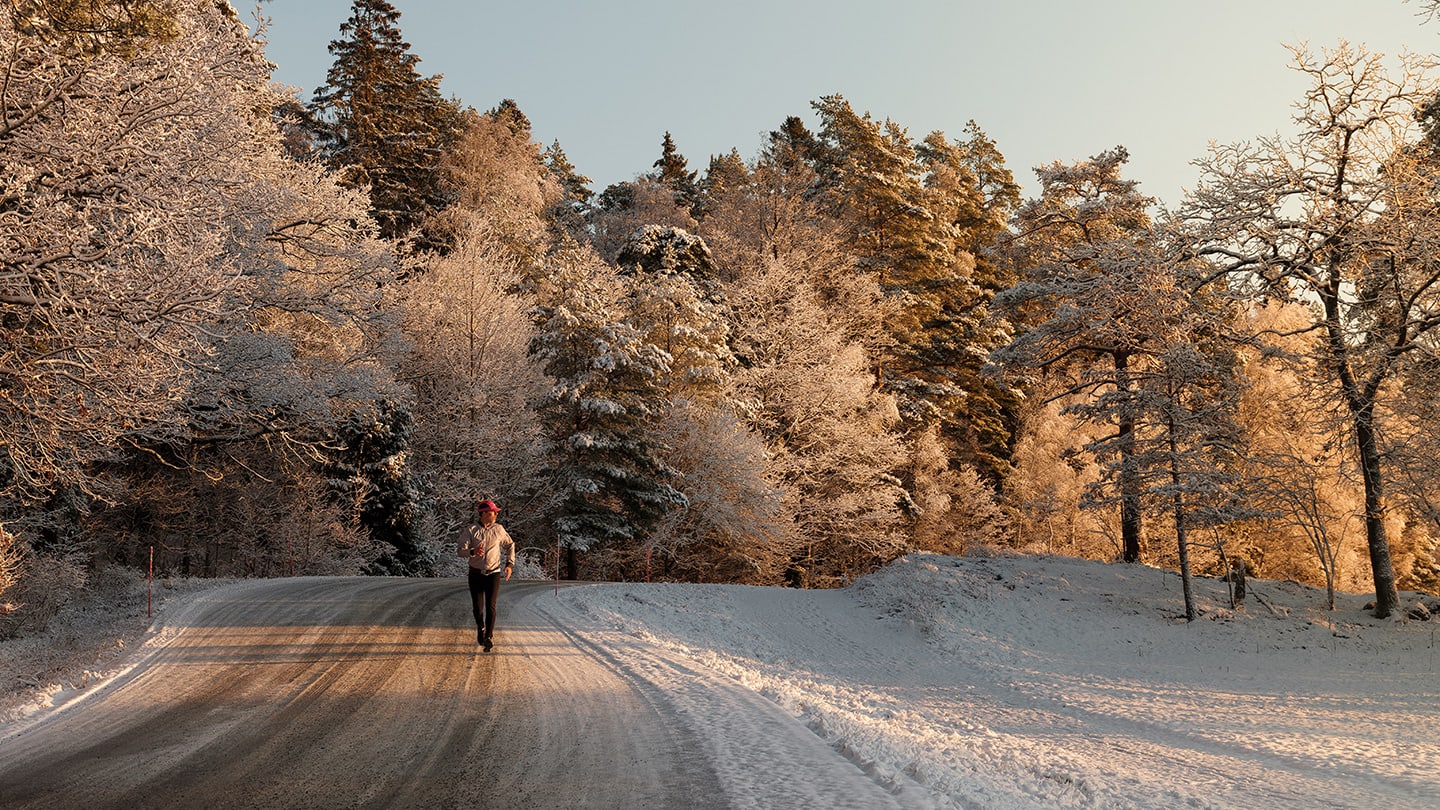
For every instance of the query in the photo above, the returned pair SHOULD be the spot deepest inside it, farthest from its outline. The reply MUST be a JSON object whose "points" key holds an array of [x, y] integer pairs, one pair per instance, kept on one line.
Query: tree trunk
{"points": [[1361, 403], [1178, 502], [1387, 597], [1129, 482]]}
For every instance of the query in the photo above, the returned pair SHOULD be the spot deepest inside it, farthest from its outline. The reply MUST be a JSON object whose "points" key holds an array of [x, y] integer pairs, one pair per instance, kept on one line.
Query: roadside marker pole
{"points": [[557, 567], [150, 584]]}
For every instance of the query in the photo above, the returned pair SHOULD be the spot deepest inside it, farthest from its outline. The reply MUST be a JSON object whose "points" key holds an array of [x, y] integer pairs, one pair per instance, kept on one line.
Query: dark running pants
{"points": [[484, 587]]}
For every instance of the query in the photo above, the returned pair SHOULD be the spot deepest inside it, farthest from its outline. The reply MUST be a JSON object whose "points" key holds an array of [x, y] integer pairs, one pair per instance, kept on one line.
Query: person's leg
{"points": [[477, 593], [492, 597]]}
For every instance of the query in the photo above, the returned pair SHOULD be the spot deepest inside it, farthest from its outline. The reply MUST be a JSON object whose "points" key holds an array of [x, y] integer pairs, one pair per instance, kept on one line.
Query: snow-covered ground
{"points": [[1024, 682], [988, 681]]}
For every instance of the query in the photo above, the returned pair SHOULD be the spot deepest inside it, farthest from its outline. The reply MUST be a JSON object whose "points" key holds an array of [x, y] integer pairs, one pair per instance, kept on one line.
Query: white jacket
{"points": [[489, 548]]}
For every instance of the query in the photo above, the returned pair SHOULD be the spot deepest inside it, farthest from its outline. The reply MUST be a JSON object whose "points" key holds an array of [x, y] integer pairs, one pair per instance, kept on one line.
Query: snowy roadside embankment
{"points": [[1009, 682], [91, 640]]}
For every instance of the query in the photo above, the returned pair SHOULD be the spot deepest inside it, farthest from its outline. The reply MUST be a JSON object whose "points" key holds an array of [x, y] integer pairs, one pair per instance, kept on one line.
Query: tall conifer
{"points": [[916, 217], [673, 171], [383, 124]]}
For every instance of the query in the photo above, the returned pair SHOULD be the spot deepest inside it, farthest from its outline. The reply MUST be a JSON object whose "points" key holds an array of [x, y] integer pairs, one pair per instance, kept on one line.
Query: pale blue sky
{"points": [[1046, 79]]}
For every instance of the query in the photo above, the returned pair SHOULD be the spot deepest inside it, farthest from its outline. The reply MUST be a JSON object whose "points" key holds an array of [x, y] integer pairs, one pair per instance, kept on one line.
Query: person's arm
{"points": [[463, 546], [508, 546]]}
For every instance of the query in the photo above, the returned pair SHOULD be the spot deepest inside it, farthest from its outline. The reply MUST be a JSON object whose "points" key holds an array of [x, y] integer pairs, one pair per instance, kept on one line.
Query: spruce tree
{"points": [[384, 125], [673, 171], [671, 300], [574, 207], [369, 472], [615, 485]]}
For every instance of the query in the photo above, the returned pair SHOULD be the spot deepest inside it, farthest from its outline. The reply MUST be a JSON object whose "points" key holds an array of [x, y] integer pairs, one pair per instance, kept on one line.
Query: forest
{"points": [[249, 334]]}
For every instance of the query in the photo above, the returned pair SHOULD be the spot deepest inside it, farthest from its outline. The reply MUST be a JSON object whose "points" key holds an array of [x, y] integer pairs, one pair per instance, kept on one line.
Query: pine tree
{"points": [[947, 359], [919, 217], [1084, 256], [673, 172], [1183, 453], [509, 113], [93, 27], [384, 125], [793, 148]]}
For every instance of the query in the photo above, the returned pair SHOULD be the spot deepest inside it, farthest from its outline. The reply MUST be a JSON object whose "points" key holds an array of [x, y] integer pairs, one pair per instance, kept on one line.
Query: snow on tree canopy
{"points": [[666, 250]]}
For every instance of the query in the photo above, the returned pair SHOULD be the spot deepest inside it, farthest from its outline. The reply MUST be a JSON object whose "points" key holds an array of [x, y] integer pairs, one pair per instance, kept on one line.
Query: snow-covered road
{"points": [[992, 682], [356, 692]]}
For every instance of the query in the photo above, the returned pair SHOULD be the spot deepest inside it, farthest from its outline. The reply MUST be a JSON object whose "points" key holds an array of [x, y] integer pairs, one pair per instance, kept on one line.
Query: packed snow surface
{"points": [[988, 681], [1023, 682]]}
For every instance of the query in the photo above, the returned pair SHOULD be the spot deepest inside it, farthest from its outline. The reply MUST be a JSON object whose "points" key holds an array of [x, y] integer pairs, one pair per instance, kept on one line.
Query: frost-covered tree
{"points": [[954, 508], [735, 523], [176, 290], [1084, 255], [615, 484], [1113, 316], [1413, 433], [805, 385], [1339, 217], [1190, 444], [773, 214], [12, 554], [624, 208], [1047, 483], [106, 270], [384, 125], [732, 513], [475, 433], [804, 327], [668, 273], [497, 180]]}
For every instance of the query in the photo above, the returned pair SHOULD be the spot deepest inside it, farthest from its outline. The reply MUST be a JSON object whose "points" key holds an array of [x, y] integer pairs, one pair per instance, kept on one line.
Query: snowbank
{"points": [[1016, 682]]}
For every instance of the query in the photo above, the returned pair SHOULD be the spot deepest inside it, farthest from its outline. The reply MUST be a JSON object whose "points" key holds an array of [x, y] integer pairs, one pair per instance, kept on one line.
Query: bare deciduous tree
{"points": [[1340, 218]]}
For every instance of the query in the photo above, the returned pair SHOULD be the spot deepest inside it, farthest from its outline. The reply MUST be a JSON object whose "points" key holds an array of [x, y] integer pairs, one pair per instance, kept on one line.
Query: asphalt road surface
{"points": [[360, 693]]}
